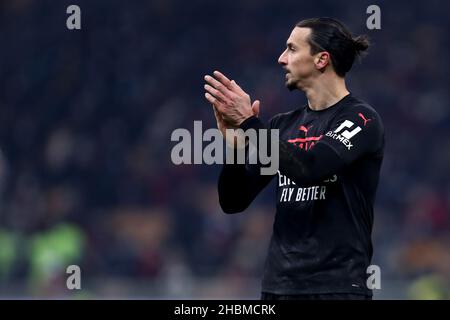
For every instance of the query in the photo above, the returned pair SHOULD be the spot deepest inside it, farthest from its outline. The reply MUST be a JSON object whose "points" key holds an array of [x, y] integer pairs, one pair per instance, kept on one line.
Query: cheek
{"points": [[302, 64]]}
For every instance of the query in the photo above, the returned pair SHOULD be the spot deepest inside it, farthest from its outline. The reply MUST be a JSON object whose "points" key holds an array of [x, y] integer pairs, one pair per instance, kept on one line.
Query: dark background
{"points": [[85, 122]]}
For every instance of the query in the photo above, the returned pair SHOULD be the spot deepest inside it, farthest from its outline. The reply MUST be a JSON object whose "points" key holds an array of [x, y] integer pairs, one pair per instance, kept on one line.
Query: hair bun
{"points": [[361, 43]]}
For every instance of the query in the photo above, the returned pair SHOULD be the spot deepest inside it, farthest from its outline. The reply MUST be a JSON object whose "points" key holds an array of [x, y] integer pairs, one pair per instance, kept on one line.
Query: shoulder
{"points": [[360, 111], [355, 104]]}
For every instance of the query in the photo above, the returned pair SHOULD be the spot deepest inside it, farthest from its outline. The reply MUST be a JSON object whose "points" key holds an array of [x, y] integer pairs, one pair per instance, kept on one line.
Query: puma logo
{"points": [[305, 129], [364, 118]]}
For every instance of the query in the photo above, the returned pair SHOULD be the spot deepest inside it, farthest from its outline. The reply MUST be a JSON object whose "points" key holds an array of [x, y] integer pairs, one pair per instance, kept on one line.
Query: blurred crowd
{"points": [[86, 118]]}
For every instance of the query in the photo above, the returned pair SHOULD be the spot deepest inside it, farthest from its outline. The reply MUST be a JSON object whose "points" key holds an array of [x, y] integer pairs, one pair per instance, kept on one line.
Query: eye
{"points": [[291, 47]]}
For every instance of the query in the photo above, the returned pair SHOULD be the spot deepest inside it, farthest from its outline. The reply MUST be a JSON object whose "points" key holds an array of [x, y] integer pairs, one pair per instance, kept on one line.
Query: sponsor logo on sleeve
{"points": [[344, 133]]}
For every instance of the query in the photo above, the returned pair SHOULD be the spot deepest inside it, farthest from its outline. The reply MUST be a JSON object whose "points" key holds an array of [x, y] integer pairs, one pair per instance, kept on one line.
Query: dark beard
{"points": [[291, 86]]}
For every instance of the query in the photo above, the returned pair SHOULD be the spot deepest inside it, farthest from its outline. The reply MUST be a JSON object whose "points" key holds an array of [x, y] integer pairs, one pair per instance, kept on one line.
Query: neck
{"points": [[326, 92]]}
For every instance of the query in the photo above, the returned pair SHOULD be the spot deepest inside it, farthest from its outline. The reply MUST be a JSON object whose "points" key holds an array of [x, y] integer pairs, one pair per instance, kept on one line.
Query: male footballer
{"points": [[330, 154]]}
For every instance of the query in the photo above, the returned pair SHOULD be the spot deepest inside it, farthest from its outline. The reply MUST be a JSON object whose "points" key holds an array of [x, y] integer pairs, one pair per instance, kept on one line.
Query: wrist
{"points": [[251, 122]]}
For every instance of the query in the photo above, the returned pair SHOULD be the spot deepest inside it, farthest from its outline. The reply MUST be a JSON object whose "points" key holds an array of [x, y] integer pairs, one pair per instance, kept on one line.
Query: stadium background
{"points": [[85, 124]]}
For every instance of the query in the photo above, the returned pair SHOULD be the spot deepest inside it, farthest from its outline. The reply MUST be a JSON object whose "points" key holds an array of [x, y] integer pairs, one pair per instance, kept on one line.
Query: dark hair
{"points": [[330, 35]]}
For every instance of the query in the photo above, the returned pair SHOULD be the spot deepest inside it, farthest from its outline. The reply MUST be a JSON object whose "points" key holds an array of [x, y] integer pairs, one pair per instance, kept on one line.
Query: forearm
{"points": [[232, 188], [238, 187]]}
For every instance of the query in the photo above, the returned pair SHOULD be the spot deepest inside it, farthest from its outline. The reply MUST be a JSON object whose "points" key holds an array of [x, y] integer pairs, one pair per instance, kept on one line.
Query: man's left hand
{"points": [[229, 99]]}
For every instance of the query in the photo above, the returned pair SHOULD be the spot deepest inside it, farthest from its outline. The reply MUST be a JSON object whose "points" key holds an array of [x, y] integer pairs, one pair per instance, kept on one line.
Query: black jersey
{"points": [[329, 164]]}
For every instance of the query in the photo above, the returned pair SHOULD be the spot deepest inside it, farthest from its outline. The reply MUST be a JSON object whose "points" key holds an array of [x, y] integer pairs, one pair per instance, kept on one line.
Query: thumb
{"points": [[255, 107]]}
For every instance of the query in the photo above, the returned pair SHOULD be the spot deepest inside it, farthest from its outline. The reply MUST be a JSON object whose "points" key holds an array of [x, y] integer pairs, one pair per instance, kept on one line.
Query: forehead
{"points": [[299, 35]]}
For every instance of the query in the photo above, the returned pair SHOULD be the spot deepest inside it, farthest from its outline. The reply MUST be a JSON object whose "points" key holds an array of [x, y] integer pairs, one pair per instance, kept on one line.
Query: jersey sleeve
{"points": [[349, 137], [354, 133]]}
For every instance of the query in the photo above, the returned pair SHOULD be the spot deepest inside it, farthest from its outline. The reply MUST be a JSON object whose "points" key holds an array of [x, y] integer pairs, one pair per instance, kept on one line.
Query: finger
{"points": [[214, 101], [236, 86], [237, 89], [216, 114], [211, 99], [216, 93], [223, 79], [255, 107], [217, 85]]}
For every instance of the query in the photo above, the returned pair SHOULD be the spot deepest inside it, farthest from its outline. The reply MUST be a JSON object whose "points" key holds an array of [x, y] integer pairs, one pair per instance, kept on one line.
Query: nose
{"points": [[283, 59]]}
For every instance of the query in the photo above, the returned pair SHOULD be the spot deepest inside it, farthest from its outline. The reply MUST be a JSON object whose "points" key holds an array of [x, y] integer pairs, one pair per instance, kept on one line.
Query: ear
{"points": [[322, 59]]}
